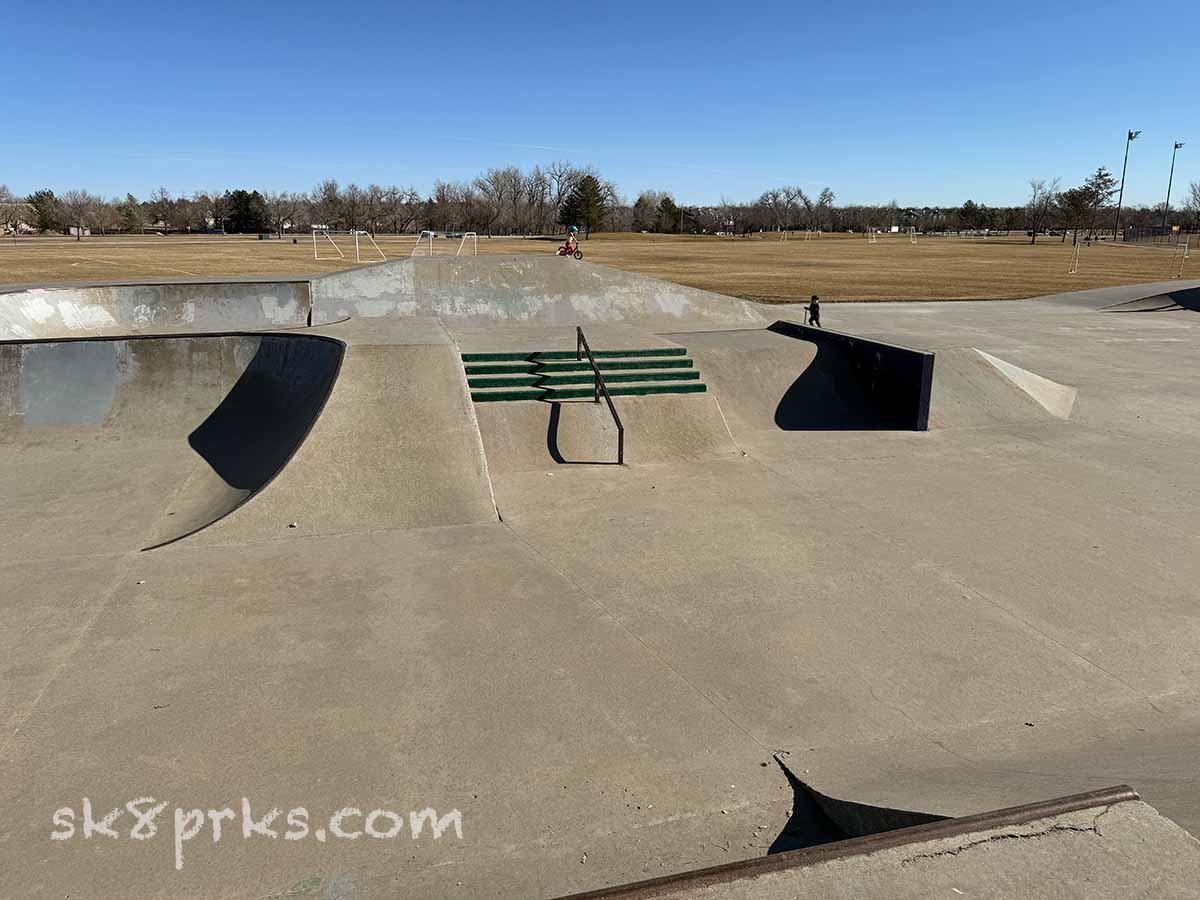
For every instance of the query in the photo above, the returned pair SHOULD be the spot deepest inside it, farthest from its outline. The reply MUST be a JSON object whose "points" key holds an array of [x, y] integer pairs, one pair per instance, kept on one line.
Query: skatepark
{"points": [[362, 539]]}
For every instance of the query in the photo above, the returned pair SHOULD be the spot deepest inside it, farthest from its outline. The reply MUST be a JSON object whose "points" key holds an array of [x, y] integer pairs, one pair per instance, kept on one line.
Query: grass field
{"points": [[837, 267]]}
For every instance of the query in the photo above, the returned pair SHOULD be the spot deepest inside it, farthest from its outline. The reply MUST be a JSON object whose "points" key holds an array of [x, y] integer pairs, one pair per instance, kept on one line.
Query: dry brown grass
{"points": [[837, 267]]}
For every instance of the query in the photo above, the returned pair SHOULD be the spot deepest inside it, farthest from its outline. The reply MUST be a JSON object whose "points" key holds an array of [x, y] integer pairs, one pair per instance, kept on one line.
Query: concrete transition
{"points": [[885, 610]]}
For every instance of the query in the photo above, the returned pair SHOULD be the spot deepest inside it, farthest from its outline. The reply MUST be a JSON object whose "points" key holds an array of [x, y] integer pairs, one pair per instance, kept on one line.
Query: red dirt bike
{"points": [[577, 253]]}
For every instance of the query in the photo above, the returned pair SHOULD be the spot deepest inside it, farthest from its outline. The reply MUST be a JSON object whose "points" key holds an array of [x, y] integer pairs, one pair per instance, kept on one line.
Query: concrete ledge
{"points": [[901, 380]]}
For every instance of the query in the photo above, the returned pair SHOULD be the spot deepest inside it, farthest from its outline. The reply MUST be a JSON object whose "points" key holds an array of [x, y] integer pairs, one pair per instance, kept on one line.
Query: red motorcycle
{"points": [[565, 251]]}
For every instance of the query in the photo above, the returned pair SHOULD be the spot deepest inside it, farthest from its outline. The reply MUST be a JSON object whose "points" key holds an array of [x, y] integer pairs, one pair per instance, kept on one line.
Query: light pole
{"points": [[1167, 205], [1121, 197]]}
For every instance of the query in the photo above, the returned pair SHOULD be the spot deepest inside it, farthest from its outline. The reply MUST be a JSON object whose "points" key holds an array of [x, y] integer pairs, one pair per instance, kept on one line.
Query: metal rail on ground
{"points": [[581, 347], [705, 879]]}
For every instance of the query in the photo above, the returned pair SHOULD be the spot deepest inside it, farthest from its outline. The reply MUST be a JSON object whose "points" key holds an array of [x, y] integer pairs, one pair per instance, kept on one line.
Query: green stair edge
{"points": [[523, 367], [553, 379], [570, 354], [543, 394]]}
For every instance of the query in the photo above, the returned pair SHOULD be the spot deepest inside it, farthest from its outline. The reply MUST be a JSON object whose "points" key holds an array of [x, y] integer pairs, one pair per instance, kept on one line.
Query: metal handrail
{"points": [[581, 347]]}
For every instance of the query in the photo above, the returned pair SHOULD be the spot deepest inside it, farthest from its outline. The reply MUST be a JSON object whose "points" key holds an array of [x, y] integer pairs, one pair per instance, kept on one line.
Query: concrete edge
{"points": [[860, 846]]}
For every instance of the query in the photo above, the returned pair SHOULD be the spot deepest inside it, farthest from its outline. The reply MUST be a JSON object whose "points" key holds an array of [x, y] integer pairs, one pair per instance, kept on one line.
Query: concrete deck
{"points": [[599, 666]]}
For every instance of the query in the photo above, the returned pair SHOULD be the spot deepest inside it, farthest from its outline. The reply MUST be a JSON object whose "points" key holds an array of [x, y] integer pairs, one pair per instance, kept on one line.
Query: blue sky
{"points": [[924, 103]]}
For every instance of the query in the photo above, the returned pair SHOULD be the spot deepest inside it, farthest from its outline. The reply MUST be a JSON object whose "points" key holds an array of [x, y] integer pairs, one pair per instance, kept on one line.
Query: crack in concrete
{"points": [[1056, 828]]}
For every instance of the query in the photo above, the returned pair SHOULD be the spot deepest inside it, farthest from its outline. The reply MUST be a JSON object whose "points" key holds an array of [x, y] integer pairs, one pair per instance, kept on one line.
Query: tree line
{"points": [[542, 199]]}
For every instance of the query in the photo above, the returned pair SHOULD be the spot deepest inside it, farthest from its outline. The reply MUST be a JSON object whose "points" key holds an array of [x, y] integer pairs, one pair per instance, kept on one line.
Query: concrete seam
{"points": [[465, 387], [20, 717]]}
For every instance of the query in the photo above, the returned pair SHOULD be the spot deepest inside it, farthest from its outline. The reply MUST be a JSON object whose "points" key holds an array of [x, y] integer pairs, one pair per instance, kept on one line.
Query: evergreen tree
{"points": [[585, 206], [1102, 185], [247, 213], [668, 218], [572, 209], [45, 208], [132, 217], [644, 211]]}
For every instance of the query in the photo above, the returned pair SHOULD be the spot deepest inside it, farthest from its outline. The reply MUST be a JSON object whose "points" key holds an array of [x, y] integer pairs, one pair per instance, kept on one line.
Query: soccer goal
{"points": [[321, 236], [1182, 252], [912, 234], [361, 240], [422, 237], [872, 237], [474, 244], [1073, 269]]}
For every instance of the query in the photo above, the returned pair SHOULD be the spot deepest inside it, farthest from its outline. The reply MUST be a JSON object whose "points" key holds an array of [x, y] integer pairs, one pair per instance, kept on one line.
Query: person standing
{"points": [[814, 311]]}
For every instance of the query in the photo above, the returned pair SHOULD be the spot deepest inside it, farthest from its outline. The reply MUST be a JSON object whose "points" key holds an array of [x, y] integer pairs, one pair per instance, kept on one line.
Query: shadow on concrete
{"points": [[808, 825], [1171, 301], [552, 442], [264, 418], [820, 819], [829, 396]]}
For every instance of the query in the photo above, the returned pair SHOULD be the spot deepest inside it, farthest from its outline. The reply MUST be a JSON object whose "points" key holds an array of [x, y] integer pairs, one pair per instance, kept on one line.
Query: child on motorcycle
{"points": [[572, 239]]}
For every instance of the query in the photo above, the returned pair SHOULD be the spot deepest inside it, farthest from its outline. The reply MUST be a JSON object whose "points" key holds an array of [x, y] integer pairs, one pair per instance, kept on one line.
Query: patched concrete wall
{"points": [[108, 311], [547, 290]]}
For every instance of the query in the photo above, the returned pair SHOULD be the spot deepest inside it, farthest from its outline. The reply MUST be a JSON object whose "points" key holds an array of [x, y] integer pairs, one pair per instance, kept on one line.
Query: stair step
{"points": [[559, 378], [571, 393], [570, 354], [525, 367]]}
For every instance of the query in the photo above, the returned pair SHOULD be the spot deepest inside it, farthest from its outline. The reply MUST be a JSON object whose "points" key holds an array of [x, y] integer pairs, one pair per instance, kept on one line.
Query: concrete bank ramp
{"points": [[536, 289], [152, 309], [767, 382], [396, 446], [127, 443], [972, 388], [532, 435], [1167, 301]]}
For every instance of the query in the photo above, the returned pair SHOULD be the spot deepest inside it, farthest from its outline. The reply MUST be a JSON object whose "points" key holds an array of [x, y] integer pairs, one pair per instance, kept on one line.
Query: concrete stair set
{"points": [[558, 375]]}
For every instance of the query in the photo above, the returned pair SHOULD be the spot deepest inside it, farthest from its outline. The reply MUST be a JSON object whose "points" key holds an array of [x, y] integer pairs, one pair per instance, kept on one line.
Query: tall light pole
{"points": [[1167, 205], [1121, 197]]}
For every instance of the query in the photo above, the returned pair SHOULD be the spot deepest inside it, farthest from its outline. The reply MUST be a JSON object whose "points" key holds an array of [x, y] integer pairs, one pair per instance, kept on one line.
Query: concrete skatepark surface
{"points": [[398, 599]]}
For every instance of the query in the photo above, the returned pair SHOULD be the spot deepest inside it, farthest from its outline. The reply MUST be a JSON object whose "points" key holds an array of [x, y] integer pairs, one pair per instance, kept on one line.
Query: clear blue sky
{"points": [[924, 103]]}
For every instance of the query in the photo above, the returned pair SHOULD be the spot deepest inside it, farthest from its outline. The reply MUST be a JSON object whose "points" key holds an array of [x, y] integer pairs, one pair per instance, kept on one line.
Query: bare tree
{"points": [[353, 205], [107, 215], [774, 204], [325, 204], [214, 207], [537, 199], [824, 207], [794, 199], [161, 206], [491, 190], [372, 207], [1192, 204], [77, 208], [1042, 195], [400, 207], [283, 209], [14, 211], [186, 213]]}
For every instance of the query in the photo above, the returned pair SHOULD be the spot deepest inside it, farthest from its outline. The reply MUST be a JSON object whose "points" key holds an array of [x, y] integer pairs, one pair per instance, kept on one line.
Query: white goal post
{"points": [[323, 231], [417, 247], [474, 243], [1182, 253], [358, 247]]}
